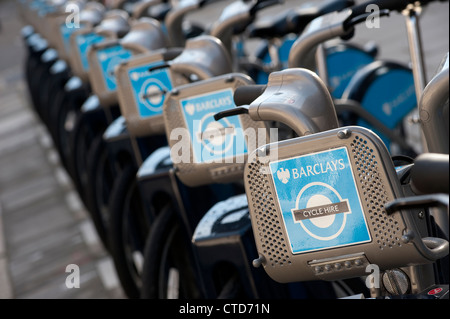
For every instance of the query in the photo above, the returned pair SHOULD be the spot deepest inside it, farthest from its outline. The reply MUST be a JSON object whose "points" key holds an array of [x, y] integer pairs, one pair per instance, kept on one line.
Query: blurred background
{"points": [[43, 224]]}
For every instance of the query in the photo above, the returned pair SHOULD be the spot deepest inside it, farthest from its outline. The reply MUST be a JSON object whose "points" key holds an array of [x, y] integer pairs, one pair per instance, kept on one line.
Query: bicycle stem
{"points": [[412, 14]]}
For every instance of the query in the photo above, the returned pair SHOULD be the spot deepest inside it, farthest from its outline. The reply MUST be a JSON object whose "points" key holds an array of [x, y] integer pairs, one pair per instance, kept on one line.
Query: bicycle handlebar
{"points": [[295, 97], [246, 94], [338, 24], [430, 174], [262, 4], [392, 5]]}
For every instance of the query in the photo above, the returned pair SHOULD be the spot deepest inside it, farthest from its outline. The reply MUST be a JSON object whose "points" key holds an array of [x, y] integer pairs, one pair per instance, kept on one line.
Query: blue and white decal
{"points": [[396, 100], [149, 88], [84, 42], [319, 200], [109, 58], [342, 66], [66, 32], [213, 140]]}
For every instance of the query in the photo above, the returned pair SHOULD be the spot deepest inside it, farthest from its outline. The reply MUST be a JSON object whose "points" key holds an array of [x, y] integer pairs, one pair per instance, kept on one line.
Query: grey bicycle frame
{"points": [[174, 21], [433, 110]]}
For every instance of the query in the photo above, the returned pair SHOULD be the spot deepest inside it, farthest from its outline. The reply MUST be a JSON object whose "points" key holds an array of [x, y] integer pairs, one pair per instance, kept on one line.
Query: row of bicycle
{"points": [[199, 162]]}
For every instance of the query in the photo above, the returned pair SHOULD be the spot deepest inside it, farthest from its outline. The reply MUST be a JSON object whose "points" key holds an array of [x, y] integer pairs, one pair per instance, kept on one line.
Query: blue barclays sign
{"points": [[319, 201]]}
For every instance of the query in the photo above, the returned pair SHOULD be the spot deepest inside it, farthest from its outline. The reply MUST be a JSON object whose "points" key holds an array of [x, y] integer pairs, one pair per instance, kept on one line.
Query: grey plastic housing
{"points": [[137, 124], [394, 240], [50, 23], [297, 98], [89, 16], [40, 17], [203, 57], [145, 36], [225, 168], [76, 63], [95, 74], [75, 60], [114, 25]]}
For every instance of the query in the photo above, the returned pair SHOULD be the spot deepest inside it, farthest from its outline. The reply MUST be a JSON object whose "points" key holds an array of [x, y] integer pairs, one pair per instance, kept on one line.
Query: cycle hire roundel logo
{"points": [[109, 58], [84, 42], [213, 140], [319, 200], [150, 88]]}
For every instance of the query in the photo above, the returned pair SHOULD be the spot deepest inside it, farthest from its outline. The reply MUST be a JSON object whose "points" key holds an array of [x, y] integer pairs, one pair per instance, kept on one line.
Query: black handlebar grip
{"points": [[425, 2], [430, 174], [393, 5], [172, 53], [246, 94]]}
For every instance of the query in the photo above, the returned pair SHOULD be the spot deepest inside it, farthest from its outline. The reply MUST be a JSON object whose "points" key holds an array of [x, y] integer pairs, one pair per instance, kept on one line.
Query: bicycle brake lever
{"points": [[433, 200], [231, 112], [264, 4], [157, 67], [363, 17], [433, 247]]}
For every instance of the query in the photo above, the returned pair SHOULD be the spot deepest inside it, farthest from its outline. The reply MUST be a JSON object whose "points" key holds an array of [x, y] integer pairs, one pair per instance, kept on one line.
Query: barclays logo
{"points": [[283, 175], [190, 108], [137, 75]]}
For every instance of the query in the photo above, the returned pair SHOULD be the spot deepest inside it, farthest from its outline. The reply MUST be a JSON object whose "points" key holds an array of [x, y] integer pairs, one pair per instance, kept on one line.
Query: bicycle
{"points": [[327, 254]]}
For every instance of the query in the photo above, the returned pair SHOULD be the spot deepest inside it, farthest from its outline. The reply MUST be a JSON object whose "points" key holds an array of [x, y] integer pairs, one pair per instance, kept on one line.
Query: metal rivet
{"points": [[263, 151], [342, 134], [229, 79]]}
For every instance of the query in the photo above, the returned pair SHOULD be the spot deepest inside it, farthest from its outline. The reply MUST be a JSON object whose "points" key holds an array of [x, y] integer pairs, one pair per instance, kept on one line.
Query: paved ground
{"points": [[43, 225]]}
